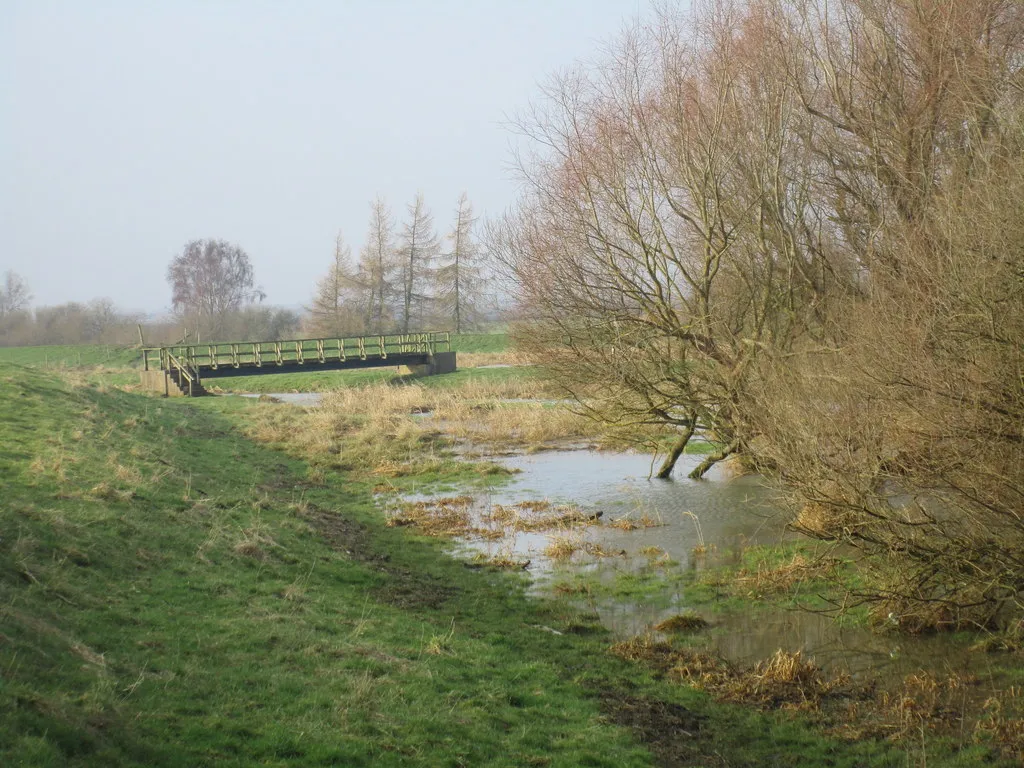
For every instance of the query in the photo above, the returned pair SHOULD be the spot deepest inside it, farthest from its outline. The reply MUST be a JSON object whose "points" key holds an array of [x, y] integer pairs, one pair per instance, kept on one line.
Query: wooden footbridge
{"points": [[182, 369]]}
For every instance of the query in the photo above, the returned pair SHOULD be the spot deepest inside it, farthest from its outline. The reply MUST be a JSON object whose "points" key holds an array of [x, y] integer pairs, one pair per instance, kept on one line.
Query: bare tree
{"points": [[460, 280], [15, 295], [209, 279], [417, 251], [898, 430], [650, 252]]}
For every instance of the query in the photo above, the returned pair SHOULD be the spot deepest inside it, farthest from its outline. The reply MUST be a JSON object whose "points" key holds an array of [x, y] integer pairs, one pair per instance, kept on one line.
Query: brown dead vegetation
{"points": [[635, 523], [450, 517], [530, 515], [949, 705], [766, 579]]}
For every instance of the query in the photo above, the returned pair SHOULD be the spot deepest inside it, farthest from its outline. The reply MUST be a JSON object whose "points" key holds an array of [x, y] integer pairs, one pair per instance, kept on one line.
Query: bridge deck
{"points": [[188, 365]]}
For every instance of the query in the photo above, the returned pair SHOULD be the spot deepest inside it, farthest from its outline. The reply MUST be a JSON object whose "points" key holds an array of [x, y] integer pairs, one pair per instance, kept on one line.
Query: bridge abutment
{"points": [[439, 362]]}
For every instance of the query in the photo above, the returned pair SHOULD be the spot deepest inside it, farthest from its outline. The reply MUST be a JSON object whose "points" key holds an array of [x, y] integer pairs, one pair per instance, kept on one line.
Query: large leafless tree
{"points": [[210, 279], [794, 225]]}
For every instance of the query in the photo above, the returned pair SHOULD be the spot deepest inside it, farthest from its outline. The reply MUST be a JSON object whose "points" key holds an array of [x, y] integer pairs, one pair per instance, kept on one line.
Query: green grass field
{"points": [[72, 356], [480, 342], [173, 594]]}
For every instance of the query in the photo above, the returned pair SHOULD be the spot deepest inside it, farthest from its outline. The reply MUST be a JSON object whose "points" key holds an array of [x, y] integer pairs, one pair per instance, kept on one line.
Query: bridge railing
{"points": [[295, 351], [185, 376]]}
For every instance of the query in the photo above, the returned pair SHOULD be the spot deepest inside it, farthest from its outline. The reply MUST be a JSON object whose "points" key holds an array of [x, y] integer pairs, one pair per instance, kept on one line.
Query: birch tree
{"points": [[209, 279], [14, 295]]}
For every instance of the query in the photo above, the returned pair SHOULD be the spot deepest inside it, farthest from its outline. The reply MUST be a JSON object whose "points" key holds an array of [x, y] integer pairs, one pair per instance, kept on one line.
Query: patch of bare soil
{"points": [[404, 588], [669, 730]]}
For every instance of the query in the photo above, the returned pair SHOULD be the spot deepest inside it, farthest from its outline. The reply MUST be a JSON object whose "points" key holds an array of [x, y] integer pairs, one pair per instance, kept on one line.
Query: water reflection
{"points": [[719, 511]]}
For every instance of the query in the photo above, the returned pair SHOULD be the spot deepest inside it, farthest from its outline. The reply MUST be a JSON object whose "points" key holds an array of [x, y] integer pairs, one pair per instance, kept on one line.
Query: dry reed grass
{"points": [[952, 705], [478, 411], [768, 579], [635, 523], [485, 359], [532, 516], [786, 679], [562, 548], [450, 517]]}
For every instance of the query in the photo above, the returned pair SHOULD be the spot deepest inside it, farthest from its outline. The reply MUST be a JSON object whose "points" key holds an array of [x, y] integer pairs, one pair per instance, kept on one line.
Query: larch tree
{"points": [[342, 296], [377, 268], [418, 248], [460, 279]]}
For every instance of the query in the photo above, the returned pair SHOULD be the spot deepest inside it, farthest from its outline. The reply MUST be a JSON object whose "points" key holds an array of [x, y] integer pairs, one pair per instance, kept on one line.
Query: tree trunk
{"points": [[711, 459], [677, 450]]}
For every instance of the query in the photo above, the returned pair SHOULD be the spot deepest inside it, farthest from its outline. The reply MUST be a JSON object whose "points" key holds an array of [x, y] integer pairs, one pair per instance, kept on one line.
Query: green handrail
{"points": [[301, 351]]}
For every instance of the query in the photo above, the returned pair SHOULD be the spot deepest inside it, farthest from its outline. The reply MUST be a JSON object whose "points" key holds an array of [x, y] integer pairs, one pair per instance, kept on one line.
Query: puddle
{"points": [[308, 399]]}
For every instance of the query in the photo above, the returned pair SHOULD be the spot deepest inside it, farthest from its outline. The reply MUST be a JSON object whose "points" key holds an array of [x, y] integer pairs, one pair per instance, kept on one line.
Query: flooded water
{"points": [[689, 522], [679, 515]]}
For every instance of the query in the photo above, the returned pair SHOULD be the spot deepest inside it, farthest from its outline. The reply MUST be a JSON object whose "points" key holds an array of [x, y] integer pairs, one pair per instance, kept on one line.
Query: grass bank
{"points": [[176, 594]]}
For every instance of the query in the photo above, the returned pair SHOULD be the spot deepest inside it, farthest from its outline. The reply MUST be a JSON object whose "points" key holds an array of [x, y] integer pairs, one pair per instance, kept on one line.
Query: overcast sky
{"points": [[128, 128]]}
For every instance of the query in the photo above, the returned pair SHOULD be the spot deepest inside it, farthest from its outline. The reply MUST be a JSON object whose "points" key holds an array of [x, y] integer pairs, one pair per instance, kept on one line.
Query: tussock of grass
{"points": [[504, 561], [683, 622], [562, 548]]}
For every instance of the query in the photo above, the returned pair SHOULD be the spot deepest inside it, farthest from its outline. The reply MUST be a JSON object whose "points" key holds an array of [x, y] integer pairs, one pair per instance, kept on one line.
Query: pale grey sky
{"points": [[128, 127]]}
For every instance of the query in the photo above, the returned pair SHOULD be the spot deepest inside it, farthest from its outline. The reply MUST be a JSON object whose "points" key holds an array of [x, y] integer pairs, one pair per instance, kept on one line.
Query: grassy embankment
{"points": [[175, 594]]}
